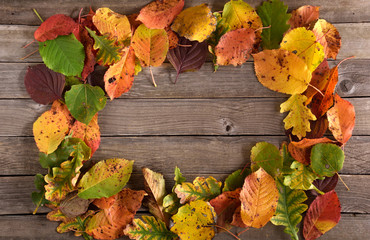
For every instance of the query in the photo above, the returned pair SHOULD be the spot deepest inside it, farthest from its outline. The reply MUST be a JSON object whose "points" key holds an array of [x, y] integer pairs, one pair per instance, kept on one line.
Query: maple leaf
{"points": [[201, 189], [289, 208], [274, 17], [329, 38], [104, 179], [239, 14], [266, 156], [115, 26], [303, 43], [38, 198], [258, 198], [195, 23], [299, 115], [194, 221], [301, 178], [323, 215], [235, 180], [54, 26], [160, 13], [319, 80], [149, 228], [282, 71], [341, 118], [120, 76], [304, 16], [326, 159], [235, 47]]}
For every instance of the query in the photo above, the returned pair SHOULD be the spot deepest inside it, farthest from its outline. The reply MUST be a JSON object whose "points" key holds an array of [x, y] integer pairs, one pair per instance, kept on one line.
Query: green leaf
{"points": [[108, 52], [65, 55], [235, 180], [301, 178], [287, 159], [326, 159], [171, 203], [38, 198], [84, 101], [266, 156], [273, 13], [201, 189], [179, 179], [289, 209], [149, 229], [105, 178], [58, 156]]}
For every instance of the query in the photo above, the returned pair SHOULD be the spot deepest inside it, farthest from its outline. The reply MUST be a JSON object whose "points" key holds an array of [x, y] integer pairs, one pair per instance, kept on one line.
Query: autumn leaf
{"points": [[49, 130], [289, 208], [303, 43], [323, 215], [149, 228], [265, 155], [235, 47], [173, 39], [73, 206], [195, 23], [150, 45], [304, 16], [54, 26], [171, 203], [239, 14], [104, 179], [326, 159], [329, 38], [194, 221], [274, 17], [341, 118], [299, 115], [114, 25], [301, 178], [287, 159], [319, 80], [201, 189], [325, 185], [237, 219], [38, 198], [259, 198], [235, 180], [282, 71], [160, 13], [318, 128]]}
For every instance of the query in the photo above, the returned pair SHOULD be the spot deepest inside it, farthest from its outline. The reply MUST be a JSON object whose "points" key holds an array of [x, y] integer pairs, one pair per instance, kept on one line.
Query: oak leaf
{"points": [[239, 14], [329, 38], [54, 26], [326, 159], [304, 16], [265, 155], [301, 178]]}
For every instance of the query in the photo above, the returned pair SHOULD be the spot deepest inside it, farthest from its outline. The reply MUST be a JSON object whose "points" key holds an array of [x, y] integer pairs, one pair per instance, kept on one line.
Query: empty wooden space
{"points": [[206, 124]]}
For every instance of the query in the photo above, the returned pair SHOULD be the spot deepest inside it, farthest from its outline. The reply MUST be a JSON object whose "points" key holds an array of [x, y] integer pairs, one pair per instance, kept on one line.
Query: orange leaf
{"points": [[304, 16], [160, 13], [319, 80], [341, 119], [173, 39], [61, 107], [329, 38], [237, 219]]}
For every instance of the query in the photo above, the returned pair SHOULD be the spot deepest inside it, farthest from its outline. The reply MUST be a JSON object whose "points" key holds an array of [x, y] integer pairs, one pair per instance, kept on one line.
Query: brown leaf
{"points": [[73, 206], [319, 80], [304, 16], [318, 127]]}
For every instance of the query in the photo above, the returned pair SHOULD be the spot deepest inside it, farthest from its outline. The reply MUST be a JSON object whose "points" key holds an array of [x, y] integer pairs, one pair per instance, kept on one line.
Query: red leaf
{"points": [[323, 215], [44, 85], [319, 80], [55, 26], [318, 128], [304, 16]]}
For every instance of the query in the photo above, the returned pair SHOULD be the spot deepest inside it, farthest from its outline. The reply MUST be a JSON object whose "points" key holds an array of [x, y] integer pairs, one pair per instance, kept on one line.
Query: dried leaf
{"points": [[239, 14], [304, 16], [76, 225], [54, 26], [326, 159], [329, 38], [319, 80], [301, 178], [73, 206], [265, 155]]}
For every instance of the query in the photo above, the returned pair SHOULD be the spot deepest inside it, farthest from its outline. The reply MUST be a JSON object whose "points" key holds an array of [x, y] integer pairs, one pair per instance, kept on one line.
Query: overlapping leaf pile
{"points": [[290, 53]]}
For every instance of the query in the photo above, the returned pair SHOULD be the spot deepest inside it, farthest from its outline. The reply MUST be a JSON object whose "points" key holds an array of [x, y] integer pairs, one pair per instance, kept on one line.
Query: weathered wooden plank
{"points": [[228, 81], [124, 117], [15, 192], [355, 39], [191, 153], [20, 12]]}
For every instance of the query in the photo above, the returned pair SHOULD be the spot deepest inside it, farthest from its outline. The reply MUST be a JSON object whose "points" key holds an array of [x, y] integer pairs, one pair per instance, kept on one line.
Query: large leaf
{"points": [[38, 198], [54, 26], [105, 178], [301, 151], [329, 38], [160, 13], [194, 221], [150, 45], [326, 159], [282, 71], [201, 189], [266, 156], [274, 16], [235, 180], [259, 198], [64, 54], [195, 23], [188, 56], [301, 178], [84, 101], [323, 215], [149, 228], [289, 209], [239, 14], [304, 16]]}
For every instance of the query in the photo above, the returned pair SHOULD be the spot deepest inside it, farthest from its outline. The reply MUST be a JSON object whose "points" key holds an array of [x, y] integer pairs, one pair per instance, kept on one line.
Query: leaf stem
{"points": [[243, 231], [228, 231], [261, 28], [340, 178], [25, 46], [37, 14], [30, 54], [153, 80], [345, 60], [318, 90]]}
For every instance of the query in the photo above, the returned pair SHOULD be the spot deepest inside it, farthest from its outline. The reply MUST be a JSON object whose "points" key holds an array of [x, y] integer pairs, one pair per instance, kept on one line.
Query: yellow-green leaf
{"points": [[239, 14], [299, 115], [301, 178], [328, 35]]}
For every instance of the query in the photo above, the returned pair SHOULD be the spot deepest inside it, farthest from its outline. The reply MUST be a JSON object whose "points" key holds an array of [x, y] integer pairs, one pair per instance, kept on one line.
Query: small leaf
{"points": [[304, 16], [38, 198], [179, 179], [326, 159], [239, 14], [64, 54], [171, 203], [319, 80], [84, 101], [105, 179], [265, 155], [301, 178], [329, 38], [287, 159], [195, 23], [73, 206], [76, 225], [194, 221], [236, 180], [54, 26]]}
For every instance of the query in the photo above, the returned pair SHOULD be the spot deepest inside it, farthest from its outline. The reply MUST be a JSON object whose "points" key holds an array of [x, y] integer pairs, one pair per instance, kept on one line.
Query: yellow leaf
{"points": [[112, 24], [303, 43], [259, 198], [282, 71], [239, 14], [329, 37], [195, 23], [299, 115], [194, 221], [49, 130]]}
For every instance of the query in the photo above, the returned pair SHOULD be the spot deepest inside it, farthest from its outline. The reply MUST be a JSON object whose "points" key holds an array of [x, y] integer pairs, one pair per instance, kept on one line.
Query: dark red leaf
{"points": [[44, 85], [55, 26]]}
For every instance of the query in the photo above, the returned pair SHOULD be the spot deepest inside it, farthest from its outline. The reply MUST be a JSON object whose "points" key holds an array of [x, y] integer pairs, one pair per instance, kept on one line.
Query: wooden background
{"points": [[206, 124]]}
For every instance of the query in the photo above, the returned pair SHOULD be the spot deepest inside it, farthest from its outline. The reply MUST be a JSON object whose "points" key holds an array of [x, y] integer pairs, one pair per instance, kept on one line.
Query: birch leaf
{"points": [[267, 156], [326, 159]]}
